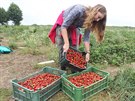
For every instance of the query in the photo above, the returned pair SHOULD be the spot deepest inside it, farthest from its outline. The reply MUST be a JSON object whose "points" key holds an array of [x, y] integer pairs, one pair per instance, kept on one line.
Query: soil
{"points": [[15, 65]]}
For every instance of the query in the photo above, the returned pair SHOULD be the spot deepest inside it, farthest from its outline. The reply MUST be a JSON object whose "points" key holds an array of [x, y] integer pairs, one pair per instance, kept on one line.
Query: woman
{"points": [[65, 31]]}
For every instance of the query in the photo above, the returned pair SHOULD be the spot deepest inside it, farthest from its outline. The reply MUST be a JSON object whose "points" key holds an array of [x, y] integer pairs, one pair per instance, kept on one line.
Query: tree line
{"points": [[13, 14]]}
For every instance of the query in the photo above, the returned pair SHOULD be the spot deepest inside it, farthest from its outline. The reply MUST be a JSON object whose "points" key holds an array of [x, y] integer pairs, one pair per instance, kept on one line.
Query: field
{"points": [[31, 45]]}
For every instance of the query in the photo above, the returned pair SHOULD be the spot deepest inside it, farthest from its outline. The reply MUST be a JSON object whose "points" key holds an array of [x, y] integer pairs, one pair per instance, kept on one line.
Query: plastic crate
{"points": [[81, 93], [40, 95], [65, 62]]}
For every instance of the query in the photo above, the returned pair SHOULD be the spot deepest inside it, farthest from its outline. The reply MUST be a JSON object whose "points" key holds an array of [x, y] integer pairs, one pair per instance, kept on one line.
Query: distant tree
{"points": [[3, 16], [15, 14]]}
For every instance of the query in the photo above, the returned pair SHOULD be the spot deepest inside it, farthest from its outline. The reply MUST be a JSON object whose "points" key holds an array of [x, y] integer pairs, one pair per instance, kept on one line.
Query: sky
{"points": [[45, 12]]}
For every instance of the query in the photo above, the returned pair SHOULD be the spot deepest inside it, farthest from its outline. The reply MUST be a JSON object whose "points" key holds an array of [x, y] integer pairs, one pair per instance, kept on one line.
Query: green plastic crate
{"points": [[39, 95], [81, 93]]}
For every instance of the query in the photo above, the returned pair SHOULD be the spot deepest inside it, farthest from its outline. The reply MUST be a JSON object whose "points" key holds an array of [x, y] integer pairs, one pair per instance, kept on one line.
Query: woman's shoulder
{"points": [[79, 6], [75, 9]]}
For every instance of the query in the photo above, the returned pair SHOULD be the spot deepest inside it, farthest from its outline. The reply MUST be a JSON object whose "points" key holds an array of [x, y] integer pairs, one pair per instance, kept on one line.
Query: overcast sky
{"points": [[44, 12]]}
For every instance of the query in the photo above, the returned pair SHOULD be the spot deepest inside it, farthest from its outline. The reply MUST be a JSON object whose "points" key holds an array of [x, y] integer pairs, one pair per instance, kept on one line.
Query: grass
{"points": [[34, 40], [5, 93], [122, 87]]}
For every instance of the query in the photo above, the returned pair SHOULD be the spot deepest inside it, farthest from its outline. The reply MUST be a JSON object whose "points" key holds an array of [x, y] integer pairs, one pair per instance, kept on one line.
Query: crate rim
{"points": [[107, 74], [38, 72], [15, 80], [16, 83]]}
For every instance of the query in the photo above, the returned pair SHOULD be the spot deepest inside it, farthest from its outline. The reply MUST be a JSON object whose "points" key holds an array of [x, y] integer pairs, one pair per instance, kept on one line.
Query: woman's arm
{"points": [[65, 38], [87, 49], [70, 16], [87, 44]]}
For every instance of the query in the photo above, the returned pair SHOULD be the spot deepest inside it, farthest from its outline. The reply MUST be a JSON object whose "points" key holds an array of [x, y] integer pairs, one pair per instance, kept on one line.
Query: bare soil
{"points": [[15, 65]]}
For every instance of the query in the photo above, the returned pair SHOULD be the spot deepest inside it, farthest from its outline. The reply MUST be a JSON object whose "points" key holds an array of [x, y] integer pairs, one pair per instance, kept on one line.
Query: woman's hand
{"points": [[65, 47], [87, 57]]}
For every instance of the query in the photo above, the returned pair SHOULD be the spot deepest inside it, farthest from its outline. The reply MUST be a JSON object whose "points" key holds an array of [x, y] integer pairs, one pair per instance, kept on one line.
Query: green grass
{"points": [[5, 93], [116, 49], [122, 87]]}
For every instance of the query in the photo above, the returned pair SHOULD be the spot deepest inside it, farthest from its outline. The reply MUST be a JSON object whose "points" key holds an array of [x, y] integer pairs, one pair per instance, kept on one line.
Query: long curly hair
{"points": [[97, 27]]}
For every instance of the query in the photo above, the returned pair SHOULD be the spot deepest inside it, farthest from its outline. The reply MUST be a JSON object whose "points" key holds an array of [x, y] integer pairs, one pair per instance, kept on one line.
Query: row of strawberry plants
{"points": [[117, 48]]}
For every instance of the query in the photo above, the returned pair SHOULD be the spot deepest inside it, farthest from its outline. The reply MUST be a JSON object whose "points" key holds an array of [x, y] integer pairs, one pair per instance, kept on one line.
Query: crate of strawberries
{"points": [[38, 86], [74, 59], [81, 85]]}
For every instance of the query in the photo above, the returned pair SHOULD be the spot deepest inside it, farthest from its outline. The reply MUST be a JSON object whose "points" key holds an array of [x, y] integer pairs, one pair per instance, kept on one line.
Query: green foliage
{"points": [[3, 16], [13, 45], [122, 87], [117, 48], [4, 94], [15, 14]]}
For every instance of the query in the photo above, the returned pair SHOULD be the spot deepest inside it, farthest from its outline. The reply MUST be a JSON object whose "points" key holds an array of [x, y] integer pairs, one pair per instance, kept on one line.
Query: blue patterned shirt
{"points": [[73, 16]]}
